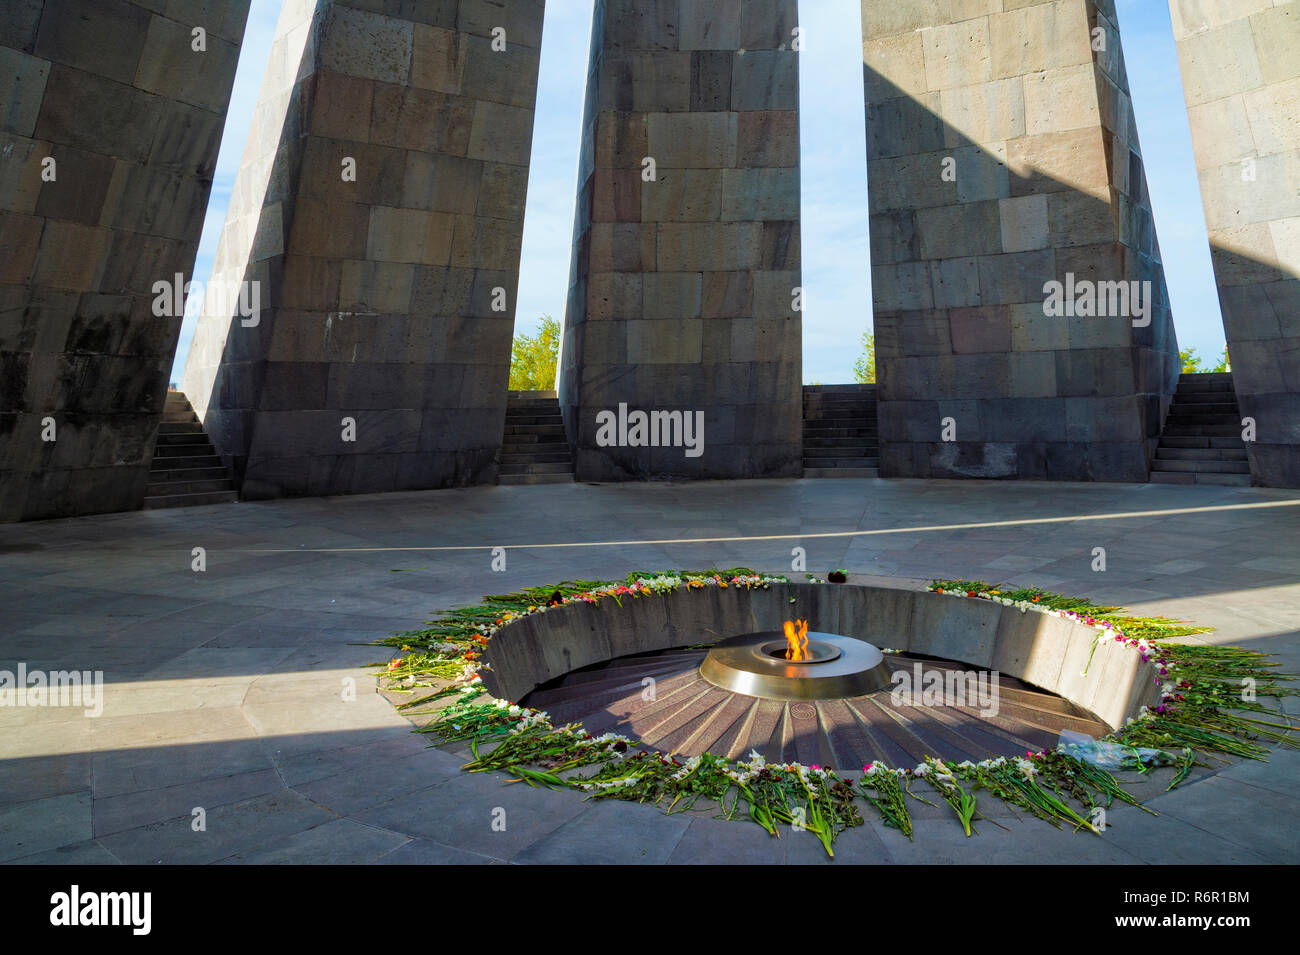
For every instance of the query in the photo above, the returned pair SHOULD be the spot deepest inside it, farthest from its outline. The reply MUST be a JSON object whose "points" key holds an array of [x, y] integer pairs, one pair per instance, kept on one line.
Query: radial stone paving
{"points": [[690, 715], [226, 689]]}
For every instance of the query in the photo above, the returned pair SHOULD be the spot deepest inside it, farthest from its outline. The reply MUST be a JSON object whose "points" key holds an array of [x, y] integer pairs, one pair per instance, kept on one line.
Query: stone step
{"points": [[160, 474], [858, 434], [174, 462], [839, 389], [839, 402], [1200, 454], [190, 500], [174, 488], [818, 441], [1208, 417], [535, 478], [1203, 431], [1204, 407], [1204, 377], [836, 405], [843, 421], [534, 448], [1202, 441], [1190, 477], [537, 429], [837, 454], [841, 461], [531, 436], [528, 420], [856, 422], [180, 438], [185, 450], [529, 447], [1205, 397], [833, 403], [544, 467], [841, 472], [538, 457], [1201, 467], [191, 426]]}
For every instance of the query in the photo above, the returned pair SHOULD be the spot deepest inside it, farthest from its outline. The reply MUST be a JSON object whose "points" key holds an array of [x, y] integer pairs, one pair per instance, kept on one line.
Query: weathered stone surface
{"points": [[993, 133], [1241, 79], [386, 344], [131, 115], [683, 288]]}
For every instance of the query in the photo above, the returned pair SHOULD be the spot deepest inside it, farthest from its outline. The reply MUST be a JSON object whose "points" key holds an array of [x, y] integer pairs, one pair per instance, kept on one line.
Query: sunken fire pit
{"points": [[796, 665]]}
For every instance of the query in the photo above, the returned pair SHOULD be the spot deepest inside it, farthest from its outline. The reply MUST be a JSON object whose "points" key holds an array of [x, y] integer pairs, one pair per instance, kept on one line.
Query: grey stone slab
{"points": [[239, 827], [460, 813], [338, 842], [610, 832], [43, 824], [74, 854], [1237, 812], [351, 792], [427, 852], [135, 809], [125, 771], [37, 777]]}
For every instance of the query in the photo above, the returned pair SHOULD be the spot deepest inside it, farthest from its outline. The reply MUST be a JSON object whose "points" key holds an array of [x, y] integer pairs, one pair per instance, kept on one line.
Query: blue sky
{"points": [[836, 275]]}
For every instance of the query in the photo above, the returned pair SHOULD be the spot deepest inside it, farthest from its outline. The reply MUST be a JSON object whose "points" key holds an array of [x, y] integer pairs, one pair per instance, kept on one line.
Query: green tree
{"points": [[533, 358], [1191, 362], [864, 369], [1224, 364]]}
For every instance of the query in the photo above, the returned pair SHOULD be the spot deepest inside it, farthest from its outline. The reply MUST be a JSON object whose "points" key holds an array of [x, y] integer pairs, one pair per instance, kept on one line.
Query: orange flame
{"points": [[796, 638]]}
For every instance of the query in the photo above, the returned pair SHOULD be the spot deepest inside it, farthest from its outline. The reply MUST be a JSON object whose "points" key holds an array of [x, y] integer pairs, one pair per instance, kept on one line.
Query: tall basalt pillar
{"points": [[684, 294], [1003, 156], [1240, 63], [109, 130], [379, 209]]}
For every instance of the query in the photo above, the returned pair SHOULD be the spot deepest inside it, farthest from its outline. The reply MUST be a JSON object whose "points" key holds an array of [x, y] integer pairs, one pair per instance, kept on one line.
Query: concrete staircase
{"points": [[1201, 442], [185, 469], [535, 450], [840, 438]]}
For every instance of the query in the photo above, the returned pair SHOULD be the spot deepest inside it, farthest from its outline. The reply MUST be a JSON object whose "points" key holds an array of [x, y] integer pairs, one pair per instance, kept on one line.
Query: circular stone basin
{"points": [[754, 664]]}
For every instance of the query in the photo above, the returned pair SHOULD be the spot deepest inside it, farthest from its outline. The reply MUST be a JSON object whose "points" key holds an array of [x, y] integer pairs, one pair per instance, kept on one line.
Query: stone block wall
{"points": [[683, 286], [1240, 64], [108, 140], [387, 299], [1002, 155]]}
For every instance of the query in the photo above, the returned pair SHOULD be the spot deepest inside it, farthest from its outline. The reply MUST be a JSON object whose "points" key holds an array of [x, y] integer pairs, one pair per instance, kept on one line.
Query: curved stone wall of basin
{"points": [[1046, 651]]}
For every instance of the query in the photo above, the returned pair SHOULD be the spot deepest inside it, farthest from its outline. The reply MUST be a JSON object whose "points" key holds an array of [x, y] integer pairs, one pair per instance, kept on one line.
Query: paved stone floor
{"points": [[225, 689]]}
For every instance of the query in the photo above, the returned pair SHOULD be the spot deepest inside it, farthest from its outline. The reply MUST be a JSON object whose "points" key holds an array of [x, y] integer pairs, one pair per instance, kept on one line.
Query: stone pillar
{"points": [[379, 206], [1241, 78], [1002, 155], [686, 239], [112, 117]]}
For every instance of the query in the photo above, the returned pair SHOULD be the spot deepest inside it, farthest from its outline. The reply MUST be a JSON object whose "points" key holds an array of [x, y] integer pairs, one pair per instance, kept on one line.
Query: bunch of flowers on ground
{"points": [[1200, 684]]}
